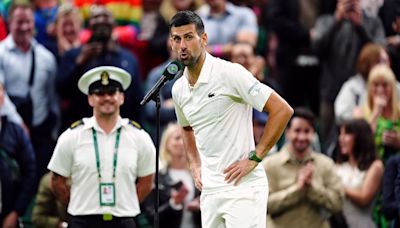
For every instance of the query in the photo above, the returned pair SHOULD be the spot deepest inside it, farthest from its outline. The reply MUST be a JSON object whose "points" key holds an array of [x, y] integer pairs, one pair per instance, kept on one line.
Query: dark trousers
{"points": [[96, 221]]}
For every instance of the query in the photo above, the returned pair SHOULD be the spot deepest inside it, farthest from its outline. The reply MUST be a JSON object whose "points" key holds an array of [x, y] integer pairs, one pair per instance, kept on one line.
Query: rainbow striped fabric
{"points": [[124, 11]]}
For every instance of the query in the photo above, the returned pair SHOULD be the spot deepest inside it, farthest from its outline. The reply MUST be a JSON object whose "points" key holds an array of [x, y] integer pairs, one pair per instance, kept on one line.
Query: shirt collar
{"points": [[205, 72], [92, 123], [287, 156], [11, 45]]}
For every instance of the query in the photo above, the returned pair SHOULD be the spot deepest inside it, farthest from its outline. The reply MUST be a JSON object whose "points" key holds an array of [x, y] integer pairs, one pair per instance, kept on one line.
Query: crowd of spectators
{"points": [[337, 60]]}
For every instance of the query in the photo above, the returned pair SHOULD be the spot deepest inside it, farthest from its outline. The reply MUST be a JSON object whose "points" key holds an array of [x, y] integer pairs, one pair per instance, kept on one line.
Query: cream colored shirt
{"points": [[288, 206]]}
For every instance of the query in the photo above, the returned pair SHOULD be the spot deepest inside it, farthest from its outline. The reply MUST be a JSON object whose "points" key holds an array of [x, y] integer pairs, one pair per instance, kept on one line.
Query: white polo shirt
{"points": [[74, 156], [219, 109]]}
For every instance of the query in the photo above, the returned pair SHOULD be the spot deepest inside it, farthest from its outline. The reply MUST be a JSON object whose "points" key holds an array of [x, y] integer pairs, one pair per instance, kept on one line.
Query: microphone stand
{"points": [[156, 97]]}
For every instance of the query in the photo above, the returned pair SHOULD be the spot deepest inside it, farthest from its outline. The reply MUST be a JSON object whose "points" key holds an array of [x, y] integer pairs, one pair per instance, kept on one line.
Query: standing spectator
{"points": [[360, 172], [243, 53], [31, 87], [110, 160], [354, 91], [297, 65], [303, 183], [213, 102], [226, 24], [179, 200], [101, 50], [337, 40], [48, 212], [17, 171], [66, 28]]}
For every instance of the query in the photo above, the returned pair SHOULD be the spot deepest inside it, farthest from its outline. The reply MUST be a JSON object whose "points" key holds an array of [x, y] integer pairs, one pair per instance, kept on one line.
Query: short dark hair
{"points": [[187, 17], [19, 4], [364, 143], [303, 113]]}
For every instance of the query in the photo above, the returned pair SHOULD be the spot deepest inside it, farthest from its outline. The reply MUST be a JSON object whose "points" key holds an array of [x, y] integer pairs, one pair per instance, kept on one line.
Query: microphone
{"points": [[173, 69]]}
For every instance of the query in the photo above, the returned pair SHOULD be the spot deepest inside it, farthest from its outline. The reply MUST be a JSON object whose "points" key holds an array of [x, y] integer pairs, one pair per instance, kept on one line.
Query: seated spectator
{"points": [[101, 50], [382, 110], [48, 212], [243, 53], [17, 170], [302, 183], [391, 191], [179, 202], [360, 172], [354, 90], [226, 24]]}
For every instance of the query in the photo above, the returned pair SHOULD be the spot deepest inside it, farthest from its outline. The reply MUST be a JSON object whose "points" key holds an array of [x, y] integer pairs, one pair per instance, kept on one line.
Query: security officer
{"points": [[110, 160]]}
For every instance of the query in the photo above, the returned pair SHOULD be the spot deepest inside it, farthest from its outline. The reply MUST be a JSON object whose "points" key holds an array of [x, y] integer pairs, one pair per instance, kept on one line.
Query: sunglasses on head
{"points": [[105, 91]]}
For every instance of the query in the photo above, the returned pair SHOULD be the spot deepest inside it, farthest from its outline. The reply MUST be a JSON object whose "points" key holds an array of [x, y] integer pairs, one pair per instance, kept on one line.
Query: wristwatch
{"points": [[253, 156]]}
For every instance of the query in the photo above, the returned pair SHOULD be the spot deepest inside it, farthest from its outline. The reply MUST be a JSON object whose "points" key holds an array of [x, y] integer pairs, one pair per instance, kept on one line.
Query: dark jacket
{"points": [[391, 189], [17, 169]]}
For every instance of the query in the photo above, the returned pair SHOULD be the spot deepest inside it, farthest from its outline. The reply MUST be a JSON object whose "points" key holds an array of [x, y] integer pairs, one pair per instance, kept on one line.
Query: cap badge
{"points": [[105, 78]]}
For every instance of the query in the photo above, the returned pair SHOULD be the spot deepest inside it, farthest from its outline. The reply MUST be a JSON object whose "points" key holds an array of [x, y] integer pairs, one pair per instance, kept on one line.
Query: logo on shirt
{"points": [[211, 94], [254, 89]]}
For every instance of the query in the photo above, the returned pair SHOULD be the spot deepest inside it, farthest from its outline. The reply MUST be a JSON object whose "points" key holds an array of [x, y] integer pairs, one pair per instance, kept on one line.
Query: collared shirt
{"points": [[224, 28], [15, 68], [219, 109], [74, 156], [288, 206]]}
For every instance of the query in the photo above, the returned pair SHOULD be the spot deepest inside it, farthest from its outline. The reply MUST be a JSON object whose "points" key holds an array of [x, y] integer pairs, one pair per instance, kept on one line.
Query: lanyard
{"points": [[96, 150]]}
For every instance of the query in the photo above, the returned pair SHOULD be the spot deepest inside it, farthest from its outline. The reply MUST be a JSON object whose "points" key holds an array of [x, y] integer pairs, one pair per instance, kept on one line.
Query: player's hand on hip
{"points": [[238, 170]]}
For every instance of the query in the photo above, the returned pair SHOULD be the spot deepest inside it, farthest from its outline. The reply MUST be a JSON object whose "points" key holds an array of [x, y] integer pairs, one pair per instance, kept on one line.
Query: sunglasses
{"points": [[105, 91]]}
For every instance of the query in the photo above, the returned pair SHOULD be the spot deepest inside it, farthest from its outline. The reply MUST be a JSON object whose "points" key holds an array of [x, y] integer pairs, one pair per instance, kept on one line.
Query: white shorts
{"points": [[244, 208]]}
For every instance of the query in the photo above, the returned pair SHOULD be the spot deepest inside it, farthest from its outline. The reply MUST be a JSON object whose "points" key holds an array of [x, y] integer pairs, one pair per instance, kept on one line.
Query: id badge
{"points": [[107, 194]]}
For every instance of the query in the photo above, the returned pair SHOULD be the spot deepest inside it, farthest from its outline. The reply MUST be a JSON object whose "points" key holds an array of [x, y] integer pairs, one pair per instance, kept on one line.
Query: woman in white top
{"points": [[360, 172]]}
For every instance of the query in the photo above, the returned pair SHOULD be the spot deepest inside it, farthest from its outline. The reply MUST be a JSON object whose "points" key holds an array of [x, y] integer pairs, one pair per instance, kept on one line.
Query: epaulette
{"points": [[135, 124], [76, 124]]}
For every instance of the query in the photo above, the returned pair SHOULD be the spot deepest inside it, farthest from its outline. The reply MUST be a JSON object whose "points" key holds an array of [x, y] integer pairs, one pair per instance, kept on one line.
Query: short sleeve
{"points": [[244, 85], [62, 159], [147, 156], [181, 119]]}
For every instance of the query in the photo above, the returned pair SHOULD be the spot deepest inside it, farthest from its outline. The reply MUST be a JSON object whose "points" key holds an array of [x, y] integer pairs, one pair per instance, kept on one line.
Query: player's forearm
{"points": [[277, 120], [60, 188], [190, 148]]}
